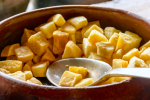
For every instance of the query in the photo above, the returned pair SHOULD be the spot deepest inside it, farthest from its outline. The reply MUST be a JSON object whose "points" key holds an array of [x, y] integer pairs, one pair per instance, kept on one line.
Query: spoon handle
{"points": [[130, 72], [125, 72]]}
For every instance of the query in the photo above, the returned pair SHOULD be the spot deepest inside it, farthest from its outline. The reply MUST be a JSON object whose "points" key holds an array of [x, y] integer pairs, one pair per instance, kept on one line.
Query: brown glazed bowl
{"points": [[11, 30]]}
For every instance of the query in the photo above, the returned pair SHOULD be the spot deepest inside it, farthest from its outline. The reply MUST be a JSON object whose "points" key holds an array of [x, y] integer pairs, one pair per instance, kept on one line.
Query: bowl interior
{"points": [[12, 28]]}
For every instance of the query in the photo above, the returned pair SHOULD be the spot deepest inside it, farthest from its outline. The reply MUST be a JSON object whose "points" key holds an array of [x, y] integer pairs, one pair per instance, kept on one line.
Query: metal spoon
{"points": [[98, 70]]}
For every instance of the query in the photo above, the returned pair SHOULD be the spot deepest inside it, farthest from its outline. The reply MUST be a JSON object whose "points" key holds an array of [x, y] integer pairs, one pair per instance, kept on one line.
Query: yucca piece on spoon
{"points": [[98, 70]]}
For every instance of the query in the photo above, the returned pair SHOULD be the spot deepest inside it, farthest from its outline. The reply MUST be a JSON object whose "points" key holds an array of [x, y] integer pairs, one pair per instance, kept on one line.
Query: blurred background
{"points": [[45, 3], [11, 7]]}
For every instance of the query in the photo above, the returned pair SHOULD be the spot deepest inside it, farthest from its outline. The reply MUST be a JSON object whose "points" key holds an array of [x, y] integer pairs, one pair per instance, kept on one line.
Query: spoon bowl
{"points": [[95, 68], [98, 70]]}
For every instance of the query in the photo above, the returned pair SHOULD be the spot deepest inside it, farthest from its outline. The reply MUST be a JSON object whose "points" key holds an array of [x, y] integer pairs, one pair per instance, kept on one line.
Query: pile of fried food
{"points": [[73, 38]]}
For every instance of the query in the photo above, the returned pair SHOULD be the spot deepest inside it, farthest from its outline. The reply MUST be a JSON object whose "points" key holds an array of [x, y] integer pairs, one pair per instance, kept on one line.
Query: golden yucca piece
{"points": [[119, 63], [145, 55], [136, 38], [18, 75], [71, 50], [84, 82], [119, 79], [93, 55], [9, 50], [130, 54], [48, 29], [78, 70], [104, 49], [121, 41], [34, 81], [109, 31], [11, 65], [24, 53], [48, 56], [109, 81], [146, 45], [85, 28], [47, 62], [27, 66], [39, 69], [78, 37], [27, 33], [95, 37], [114, 80], [26, 44], [58, 19], [50, 46], [4, 71], [28, 74], [60, 40], [37, 29], [11, 58], [70, 79], [94, 27], [125, 42], [136, 62], [117, 54], [148, 63], [38, 43], [88, 47], [67, 28], [142, 49], [80, 46], [72, 38], [78, 22], [36, 58], [114, 39]]}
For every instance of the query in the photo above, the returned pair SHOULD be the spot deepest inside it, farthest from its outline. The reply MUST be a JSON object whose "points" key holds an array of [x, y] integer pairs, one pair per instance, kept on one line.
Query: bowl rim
{"points": [[35, 86], [24, 83], [129, 13]]}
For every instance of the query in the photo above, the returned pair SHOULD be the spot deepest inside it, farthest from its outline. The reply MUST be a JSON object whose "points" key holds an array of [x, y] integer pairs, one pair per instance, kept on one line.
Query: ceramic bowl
{"points": [[11, 30]]}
